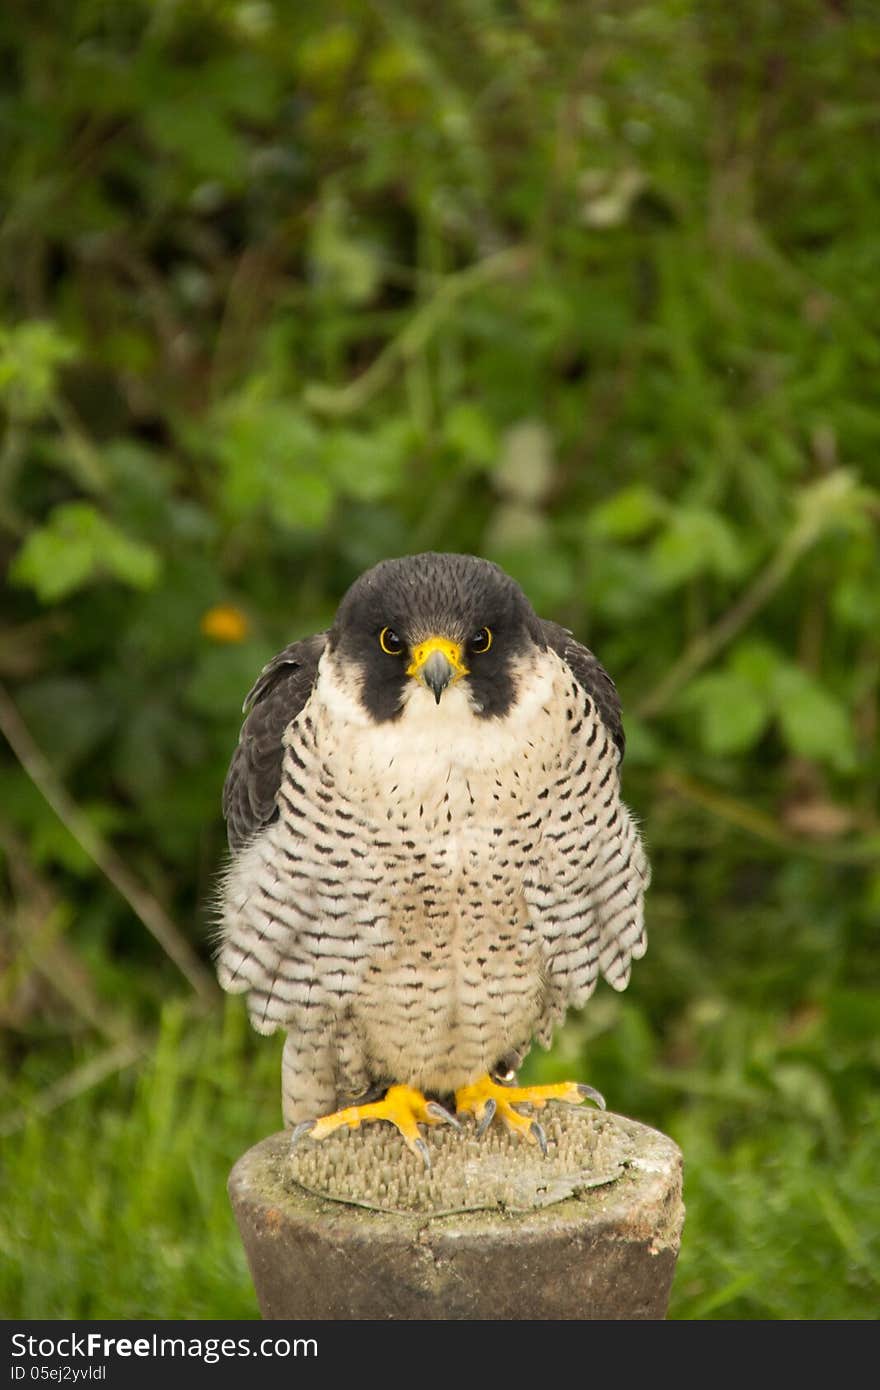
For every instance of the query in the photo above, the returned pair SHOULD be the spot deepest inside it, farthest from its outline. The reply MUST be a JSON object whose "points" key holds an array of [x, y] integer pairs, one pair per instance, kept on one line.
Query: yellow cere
{"points": [[451, 650]]}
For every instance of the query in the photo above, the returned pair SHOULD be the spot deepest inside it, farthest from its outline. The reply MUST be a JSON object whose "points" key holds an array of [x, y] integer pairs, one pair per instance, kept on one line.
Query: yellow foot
{"points": [[403, 1107], [484, 1099]]}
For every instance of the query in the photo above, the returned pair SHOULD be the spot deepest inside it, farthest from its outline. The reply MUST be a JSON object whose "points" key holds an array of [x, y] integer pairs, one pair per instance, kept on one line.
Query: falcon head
{"points": [[420, 626]]}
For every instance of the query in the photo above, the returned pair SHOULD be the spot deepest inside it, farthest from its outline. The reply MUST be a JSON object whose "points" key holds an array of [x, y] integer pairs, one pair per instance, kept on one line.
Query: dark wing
{"points": [[591, 675], [254, 774], [585, 892]]}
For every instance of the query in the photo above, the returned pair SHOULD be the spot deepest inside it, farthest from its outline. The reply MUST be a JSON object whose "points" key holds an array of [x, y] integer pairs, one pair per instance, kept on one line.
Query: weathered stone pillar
{"points": [[355, 1227]]}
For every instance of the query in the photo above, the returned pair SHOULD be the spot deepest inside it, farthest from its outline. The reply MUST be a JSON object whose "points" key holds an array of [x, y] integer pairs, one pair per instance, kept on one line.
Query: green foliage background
{"points": [[288, 287]]}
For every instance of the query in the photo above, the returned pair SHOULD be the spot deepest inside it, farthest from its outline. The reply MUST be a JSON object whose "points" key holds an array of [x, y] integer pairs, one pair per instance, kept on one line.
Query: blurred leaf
{"points": [[695, 542], [50, 842], [223, 676], [814, 723], [470, 435], [327, 54], [368, 466], [855, 598], [757, 663], [808, 1091], [628, 514], [64, 717], [271, 460], [854, 1014], [344, 265], [732, 712], [53, 846], [79, 546], [192, 115], [30, 355], [199, 135], [838, 500], [154, 740]]}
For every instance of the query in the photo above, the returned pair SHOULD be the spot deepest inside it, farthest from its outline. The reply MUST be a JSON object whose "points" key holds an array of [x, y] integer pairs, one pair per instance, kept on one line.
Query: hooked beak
{"points": [[437, 662], [437, 672]]}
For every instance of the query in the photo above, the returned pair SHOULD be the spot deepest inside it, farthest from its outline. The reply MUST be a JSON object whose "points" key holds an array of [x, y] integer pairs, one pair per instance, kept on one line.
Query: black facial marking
{"points": [[419, 596]]}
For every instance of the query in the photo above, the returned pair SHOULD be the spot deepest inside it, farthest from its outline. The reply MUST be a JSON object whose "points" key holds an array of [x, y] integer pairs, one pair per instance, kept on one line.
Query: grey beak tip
{"points": [[437, 674]]}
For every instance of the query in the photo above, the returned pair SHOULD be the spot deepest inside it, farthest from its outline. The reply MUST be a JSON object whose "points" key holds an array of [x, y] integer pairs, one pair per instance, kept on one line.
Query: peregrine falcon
{"points": [[431, 860]]}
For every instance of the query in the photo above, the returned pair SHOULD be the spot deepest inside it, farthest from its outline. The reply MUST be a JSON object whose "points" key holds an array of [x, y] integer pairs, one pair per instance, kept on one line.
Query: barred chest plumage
{"points": [[420, 854]]}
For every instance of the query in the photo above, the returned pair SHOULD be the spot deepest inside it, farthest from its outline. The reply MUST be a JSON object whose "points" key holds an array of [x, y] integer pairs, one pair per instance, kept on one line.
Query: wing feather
{"points": [[588, 904], [254, 777], [591, 676]]}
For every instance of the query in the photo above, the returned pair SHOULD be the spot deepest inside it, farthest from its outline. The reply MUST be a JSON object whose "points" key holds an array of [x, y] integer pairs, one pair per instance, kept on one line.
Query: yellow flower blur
{"points": [[224, 623]]}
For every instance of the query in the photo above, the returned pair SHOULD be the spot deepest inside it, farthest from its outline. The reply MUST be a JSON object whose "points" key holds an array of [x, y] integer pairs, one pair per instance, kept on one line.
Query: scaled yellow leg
{"points": [[403, 1106], [485, 1098]]}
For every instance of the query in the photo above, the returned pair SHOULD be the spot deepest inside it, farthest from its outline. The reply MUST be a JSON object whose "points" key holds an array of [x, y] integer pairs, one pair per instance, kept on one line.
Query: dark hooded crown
{"points": [[420, 596]]}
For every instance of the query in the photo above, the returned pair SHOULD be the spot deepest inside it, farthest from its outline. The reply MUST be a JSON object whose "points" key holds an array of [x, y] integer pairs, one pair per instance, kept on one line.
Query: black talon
{"points": [[433, 1108], [589, 1094], [421, 1147], [302, 1128], [487, 1116], [540, 1136]]}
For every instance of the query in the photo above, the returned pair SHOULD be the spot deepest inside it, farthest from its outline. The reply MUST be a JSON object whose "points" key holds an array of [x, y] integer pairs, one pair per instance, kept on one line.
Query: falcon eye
{"points": [[390, 642], [481, 641]]}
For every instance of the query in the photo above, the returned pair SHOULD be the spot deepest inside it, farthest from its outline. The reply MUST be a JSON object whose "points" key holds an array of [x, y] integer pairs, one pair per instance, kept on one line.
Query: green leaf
{"points": [[345, 266], [732, 713], [326, 55], [756, 662], [368, 466], [622, 586], [470, 435], [628, 514], [696, 541], [814, 723], [30, 356], [79, 546], [301, 498], [66, 716], [270, 454]]}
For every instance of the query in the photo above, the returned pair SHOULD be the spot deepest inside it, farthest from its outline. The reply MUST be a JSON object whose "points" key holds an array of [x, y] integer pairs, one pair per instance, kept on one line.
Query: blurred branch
{"points": [[708, 644], [835, 497], [346, 400], [741, 814], [178, 344], [82, 454], [76, 1082], [22, 645], [142, 903], [37, 924], [250, 290], [708, 1085], [126, 1053], [11, 461]]}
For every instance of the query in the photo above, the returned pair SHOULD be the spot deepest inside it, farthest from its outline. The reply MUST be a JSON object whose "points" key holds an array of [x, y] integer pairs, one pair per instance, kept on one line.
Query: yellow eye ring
{"points": [[390, 642], [481, 641]]}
